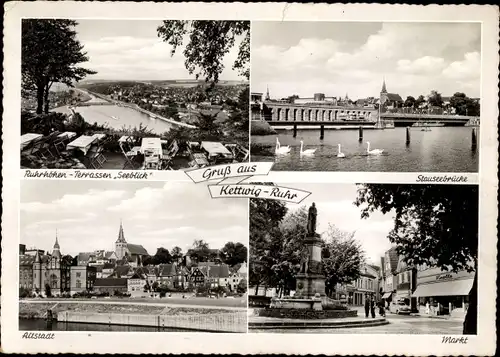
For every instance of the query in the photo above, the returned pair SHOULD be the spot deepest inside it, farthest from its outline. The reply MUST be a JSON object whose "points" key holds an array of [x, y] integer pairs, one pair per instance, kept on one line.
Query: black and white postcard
{"points": [[249, 178]]}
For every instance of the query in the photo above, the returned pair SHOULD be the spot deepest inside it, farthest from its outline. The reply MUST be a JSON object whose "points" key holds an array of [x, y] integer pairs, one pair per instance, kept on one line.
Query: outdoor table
{"points": [[152, 144], [67, 135], [214, 148], [134, 151], [28, 138], [82, 143]]}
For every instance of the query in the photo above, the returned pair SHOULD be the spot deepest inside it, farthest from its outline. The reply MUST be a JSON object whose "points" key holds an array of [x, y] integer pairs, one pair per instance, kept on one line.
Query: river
{"points": [[118, 117], [42, 325], [443, 149]]}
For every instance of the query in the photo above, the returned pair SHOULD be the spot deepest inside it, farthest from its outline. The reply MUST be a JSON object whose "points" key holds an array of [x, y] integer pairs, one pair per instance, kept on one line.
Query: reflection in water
{"points": [[42, 325], [443, 149]]}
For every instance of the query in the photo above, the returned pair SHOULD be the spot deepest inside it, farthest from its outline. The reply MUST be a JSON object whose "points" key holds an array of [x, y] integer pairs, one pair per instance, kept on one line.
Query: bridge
{"points": [[329, 115], [407, 119]]}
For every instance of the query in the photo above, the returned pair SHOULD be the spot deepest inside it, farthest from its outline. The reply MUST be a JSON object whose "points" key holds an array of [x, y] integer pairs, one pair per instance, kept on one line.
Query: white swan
{"points": [[281, 149], [374, 151], [306, 152], [340, 154]]}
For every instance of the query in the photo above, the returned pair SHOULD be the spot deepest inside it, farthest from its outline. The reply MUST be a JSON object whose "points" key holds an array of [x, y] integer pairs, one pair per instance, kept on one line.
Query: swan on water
{"points": [[374, 151], [340, 154], [306, 152], [281, 149]]}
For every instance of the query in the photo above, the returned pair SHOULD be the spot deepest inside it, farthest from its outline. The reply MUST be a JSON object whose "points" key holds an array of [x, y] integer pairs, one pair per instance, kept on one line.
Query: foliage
{"points": [[162, 256], [50, 54], [209, 42], [419, 100], [464, 105], [435, 99], [265, 217], [67, 260], [176, 253], [24, 292], [436, 225], [410, 102], [342, 256], [234, 253], [242, 286]]}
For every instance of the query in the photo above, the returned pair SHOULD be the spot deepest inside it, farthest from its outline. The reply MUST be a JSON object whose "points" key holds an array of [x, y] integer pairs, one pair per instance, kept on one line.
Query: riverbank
{"points": [[199, 318], [261, 127]]}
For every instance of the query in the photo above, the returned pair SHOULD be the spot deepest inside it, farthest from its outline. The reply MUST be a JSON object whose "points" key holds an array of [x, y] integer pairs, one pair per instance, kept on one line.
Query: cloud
{"points": [[468, 68], [414, 58], [423, 65]]}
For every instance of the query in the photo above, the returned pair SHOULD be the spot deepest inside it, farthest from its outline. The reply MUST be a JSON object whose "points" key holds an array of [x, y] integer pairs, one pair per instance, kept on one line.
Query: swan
{"points": [[306, 152], [340, 154], [374, 151], [281, 149]]}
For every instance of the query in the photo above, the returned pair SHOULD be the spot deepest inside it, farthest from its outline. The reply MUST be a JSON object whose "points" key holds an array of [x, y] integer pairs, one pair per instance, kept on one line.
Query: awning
{"points": [[446, 288], [386, 295]]}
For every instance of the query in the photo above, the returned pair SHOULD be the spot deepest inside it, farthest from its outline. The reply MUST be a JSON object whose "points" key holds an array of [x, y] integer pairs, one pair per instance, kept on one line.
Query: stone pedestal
{"points": [[310, 280]]}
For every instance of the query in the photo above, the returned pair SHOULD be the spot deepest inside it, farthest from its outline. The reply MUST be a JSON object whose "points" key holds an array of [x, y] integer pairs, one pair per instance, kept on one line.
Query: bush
{"points": [[24, 293]]}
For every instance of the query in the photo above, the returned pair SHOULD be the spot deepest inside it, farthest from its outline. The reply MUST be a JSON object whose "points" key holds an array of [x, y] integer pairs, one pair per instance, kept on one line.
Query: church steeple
{"points": [[56, 252], [121, 235], [384, 89], [267, 94]]}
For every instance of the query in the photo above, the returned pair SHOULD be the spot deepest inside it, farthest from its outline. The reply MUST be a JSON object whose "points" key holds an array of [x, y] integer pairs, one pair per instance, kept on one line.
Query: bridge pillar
{"points": [[274, 114], [300, 113], [336, 115]]}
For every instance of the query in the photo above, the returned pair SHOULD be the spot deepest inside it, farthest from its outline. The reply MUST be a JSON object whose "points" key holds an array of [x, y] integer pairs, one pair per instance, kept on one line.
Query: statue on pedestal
{"points": [[311, 220]]}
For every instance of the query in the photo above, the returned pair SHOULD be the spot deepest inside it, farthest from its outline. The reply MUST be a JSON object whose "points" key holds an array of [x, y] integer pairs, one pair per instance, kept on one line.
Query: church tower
{"points": [[383, 93], [55, 260], [267, 94], [121, 243], [384, 89], [37, 273]]}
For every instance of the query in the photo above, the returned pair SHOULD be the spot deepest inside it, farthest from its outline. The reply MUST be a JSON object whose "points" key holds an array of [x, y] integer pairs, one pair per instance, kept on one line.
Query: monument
{"points": [[310, 300]]}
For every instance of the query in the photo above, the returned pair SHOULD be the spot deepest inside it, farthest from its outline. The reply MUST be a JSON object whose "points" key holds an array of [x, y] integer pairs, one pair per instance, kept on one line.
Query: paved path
{"points": [[129, 302], [399, 324]]}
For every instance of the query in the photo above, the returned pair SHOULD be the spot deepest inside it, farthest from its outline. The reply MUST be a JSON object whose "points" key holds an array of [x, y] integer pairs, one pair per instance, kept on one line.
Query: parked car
{"points": [[399, 307]]}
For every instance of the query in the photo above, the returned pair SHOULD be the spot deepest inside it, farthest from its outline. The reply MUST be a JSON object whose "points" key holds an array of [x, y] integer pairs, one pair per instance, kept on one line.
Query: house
{"points": [[26, 271], [389, 264], [210, 273], [111, 285], [406, 283], [135, 284], [82, 278]]}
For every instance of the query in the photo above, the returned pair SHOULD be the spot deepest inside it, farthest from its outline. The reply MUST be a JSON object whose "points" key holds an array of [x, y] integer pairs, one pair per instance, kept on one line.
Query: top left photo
{"points": [[134, 94]]}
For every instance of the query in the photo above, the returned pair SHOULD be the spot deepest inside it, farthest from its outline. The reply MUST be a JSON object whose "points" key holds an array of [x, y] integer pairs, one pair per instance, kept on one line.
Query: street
{"points": [[399, 324]]}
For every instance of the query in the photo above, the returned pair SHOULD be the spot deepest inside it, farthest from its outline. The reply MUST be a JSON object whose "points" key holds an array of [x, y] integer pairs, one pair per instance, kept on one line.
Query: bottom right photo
{"points": [[367, 259]]}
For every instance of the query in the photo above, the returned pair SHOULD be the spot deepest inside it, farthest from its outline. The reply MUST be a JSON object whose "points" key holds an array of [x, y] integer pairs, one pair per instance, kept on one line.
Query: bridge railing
{"points": [[406, 110]]}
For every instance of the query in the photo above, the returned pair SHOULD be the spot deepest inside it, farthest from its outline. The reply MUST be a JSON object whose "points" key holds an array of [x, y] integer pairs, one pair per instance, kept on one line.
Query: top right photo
{"points": [[355, 96]]}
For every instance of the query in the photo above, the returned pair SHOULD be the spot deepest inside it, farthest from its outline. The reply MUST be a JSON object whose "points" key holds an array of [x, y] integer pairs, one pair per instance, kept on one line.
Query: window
{"points": [[78, 274], [78, 284]]}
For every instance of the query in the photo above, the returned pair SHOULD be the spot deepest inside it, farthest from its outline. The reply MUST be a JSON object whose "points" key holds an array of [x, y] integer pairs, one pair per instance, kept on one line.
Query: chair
{"points": [[96, 157], [128, 162], [41, 148]]}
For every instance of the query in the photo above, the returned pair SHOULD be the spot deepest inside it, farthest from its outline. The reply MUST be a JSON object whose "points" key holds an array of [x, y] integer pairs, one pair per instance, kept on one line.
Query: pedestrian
{"points": [[367, 306], [381, 310], [372, 307]]}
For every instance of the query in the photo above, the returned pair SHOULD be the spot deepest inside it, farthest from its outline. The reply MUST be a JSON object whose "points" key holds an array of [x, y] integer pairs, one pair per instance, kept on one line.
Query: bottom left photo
{"points": [[131, 256]]}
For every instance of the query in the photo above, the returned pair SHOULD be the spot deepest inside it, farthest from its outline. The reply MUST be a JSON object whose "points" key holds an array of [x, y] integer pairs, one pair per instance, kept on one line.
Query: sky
{"points": [[87, 214], [334, 203], [353, 58], [132, 50]]}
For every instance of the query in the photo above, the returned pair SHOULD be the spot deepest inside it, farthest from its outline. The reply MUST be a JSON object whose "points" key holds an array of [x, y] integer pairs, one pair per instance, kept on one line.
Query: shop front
{"points": [[443, 293]]}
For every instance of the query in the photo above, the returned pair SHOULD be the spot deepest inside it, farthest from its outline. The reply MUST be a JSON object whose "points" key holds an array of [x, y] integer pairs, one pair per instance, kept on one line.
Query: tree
{"points": [[234, 253], [436, 225], [419, 101], [176, 253], [435, 99], [209, 42], [464, 105], [155, 286], [50, 54], [265, 217], [68, 260], [342, 257], [241, 288], [162, 256], [410, 102], [207, 125]]}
